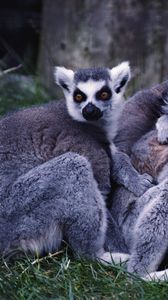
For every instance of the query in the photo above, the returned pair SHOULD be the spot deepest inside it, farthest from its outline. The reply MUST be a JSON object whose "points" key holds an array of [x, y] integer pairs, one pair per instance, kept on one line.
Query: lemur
{"points": [[53, 172], [150, 236], [143, 221], [94, 96]]}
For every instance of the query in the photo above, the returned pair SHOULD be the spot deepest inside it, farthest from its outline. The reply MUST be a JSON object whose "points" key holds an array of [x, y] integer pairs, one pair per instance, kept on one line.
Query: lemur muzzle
{"points": [[91, 113]]}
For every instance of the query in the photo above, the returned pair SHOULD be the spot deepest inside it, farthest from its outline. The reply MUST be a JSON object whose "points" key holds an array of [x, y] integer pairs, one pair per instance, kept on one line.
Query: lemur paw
{"points": [[162, 136], [162, 130], [145, 181], [114, 258]]}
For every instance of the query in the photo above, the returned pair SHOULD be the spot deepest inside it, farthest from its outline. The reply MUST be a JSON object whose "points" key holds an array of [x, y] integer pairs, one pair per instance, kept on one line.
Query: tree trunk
{"points": [[82, 33]]}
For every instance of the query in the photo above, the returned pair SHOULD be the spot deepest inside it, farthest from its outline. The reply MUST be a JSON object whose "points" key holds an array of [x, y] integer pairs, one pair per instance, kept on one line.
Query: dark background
{"points": [[80, 33]]}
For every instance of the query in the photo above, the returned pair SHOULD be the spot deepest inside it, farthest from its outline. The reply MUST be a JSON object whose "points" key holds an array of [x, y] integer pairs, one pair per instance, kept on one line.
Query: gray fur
{"points": [[162, 123], [91, 73], [108, 111], [139, 116], [143, 224], [48, 193], [35, 135], [150, 240], [126, 175], [45, 205], [150, 234], [143, 221]]}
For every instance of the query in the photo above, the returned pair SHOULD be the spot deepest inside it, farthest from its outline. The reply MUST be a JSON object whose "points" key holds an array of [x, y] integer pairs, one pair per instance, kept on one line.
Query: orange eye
{"points": [[104, 96], [78, 98]]}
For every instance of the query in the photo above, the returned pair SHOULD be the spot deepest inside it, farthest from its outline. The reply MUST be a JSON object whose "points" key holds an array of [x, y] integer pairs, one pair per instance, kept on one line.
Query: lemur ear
{"points": [[64, 77], [120, 76]]}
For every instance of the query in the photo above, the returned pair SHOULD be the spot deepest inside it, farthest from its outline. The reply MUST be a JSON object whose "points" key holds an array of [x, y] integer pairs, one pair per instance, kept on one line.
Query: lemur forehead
{"points": [[97, 74], [90, 87]]}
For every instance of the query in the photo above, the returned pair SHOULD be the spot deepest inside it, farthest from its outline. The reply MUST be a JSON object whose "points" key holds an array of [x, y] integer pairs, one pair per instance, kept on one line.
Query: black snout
{"points": [[91, 112]]}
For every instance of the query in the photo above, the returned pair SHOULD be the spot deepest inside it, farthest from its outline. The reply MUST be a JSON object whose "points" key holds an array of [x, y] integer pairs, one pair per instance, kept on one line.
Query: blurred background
{"points": [[35, 35]]}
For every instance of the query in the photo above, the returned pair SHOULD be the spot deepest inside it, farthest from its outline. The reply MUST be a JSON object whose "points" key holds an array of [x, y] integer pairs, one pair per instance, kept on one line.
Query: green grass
{"points": [[62, 277]]}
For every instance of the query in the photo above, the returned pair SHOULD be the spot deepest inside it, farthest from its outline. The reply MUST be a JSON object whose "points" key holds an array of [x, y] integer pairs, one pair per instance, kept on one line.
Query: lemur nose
{"points": [[89, 108], [91, 112]]}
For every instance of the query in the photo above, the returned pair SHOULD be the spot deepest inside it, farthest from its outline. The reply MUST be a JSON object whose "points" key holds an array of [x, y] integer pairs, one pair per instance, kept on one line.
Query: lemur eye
{"points": [[79, 96], [104, 94]]}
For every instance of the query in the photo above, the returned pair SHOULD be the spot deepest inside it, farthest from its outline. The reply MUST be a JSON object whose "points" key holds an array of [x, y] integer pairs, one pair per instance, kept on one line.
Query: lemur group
{"points": [[90, 169]]}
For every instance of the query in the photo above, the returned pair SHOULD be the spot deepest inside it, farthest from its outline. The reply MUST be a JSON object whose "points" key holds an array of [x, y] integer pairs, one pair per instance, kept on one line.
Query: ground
{"points": [[61, 276]]}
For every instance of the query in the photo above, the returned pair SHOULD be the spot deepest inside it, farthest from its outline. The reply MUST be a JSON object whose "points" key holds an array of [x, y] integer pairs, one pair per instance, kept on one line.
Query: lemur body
{"points": [[143, 221], [45, 195], [47, 192], [149, 250]]}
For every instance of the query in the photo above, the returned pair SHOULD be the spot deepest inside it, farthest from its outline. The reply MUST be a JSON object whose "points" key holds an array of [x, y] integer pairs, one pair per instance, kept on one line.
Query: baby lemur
{"points": [[95, 96]]}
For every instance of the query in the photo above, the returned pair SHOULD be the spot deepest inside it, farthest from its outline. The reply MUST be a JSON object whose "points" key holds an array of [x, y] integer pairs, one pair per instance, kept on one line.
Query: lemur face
{"points": [[92, 93]]}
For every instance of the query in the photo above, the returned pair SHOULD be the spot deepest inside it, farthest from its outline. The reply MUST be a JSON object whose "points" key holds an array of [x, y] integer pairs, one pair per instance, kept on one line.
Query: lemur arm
{"points": [[138, 117], [125, 174]]}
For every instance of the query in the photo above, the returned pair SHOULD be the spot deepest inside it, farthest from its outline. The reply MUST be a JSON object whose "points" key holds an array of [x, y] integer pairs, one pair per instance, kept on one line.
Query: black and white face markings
{"points": [[92, 88], [91, 92], [92, 110]]}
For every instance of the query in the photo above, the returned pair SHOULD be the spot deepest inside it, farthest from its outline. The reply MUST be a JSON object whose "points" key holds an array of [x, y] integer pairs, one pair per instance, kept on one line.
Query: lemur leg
{"points": [[150, 235], [125, 174], [57, 199], [114, 241], [162, 129]]}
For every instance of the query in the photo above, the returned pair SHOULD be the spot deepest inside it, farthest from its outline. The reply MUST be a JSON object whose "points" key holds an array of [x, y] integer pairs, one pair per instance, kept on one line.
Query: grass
{"points": [[62, 277], [17, 91]]}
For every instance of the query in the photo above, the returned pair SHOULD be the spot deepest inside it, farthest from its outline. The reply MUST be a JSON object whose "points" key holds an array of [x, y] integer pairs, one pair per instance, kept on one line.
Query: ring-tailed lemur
{"points": [[143, 221], [95, 96], [53, 172], [150, 243]]}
